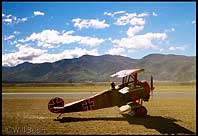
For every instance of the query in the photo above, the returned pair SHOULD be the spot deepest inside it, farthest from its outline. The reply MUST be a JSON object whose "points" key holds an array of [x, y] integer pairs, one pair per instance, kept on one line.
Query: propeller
{"points": [[152, 88]]}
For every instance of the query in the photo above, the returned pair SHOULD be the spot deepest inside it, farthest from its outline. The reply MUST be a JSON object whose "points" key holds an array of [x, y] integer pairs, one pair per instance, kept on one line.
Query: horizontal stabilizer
{"points": [[58, 108]]}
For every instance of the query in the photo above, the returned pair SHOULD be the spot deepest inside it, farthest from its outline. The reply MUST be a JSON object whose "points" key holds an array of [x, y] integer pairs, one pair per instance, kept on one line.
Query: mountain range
{"points": [[99, 68]]}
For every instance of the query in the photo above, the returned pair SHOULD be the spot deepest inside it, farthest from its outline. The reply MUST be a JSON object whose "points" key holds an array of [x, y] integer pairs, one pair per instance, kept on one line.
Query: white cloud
{"points": [[172, 48], [108, 14], [29, 54], [6, 38], [134, 41], [119, 12], [89, 23], [67, 32], [161, 49], [142, 15], [194, 22], [134, 30], [52, 38], [132, 18], [13, 43], [137, 21], [7, 20], [117, 51], [113, 14], [140, 41], [87, 40], [131, 51], [39, 13], [154, 14], [67, 54], [24, 53], [169, 30], [16, 32], [10, 19]]}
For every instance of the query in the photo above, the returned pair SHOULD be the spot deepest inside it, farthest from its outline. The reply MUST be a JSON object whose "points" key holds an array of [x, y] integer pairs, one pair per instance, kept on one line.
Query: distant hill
{"points": [[99, 68]]}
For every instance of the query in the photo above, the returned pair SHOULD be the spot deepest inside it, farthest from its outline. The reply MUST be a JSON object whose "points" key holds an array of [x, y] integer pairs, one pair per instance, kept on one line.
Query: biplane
{"points": [[128, 96]]}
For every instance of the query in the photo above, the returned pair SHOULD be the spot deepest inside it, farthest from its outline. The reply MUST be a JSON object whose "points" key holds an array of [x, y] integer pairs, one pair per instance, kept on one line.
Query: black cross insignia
{"points": [[88, 105]]}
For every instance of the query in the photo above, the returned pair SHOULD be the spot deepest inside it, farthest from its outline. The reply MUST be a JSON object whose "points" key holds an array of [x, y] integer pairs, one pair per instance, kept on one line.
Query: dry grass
{"points": [[31, 116], [86, 88]]}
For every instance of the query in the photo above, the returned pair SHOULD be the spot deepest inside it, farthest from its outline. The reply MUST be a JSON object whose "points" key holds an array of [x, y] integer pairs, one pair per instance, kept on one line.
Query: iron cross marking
{"points": [[88, 105]]}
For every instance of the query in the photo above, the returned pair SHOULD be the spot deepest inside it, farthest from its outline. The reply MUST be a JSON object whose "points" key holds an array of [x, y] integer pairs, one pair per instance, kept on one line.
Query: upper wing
{"points": [[127, 72]]}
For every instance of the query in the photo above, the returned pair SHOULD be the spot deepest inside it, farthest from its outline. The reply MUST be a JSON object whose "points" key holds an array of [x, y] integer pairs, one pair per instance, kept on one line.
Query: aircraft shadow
{"points": [[164, 125], [72, 119], [161, 124]]}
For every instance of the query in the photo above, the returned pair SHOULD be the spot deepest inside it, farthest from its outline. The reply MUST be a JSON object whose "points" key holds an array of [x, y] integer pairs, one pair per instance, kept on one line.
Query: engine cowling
{"points": [[146, 94]]}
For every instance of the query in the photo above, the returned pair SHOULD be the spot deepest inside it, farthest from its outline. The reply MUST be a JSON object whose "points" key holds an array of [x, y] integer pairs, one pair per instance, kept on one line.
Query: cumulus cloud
{"points": [[134, 30], [133, 21], [52, 38], [89, 23], [131, 18], [116, 51], [13, 42], [24, 53], [154, 14], [10, 19], [172, 29], [172, 48], [133, 41], [29, 54], [6, 38], [108, 14], [39, 13], [16, 32], [148, 40], [66, 54], [114, 13]]}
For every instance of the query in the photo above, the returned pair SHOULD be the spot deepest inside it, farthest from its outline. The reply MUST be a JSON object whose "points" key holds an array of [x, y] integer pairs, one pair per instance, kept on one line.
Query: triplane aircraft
{"points": [[128, 96]]}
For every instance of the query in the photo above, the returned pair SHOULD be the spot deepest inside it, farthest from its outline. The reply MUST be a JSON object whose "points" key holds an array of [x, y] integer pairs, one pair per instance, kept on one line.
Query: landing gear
{"points": [[59, 115], [137, 110], [140, 111]]}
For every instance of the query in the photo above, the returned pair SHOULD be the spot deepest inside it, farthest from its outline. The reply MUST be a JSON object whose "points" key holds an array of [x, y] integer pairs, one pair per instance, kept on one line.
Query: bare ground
{"points": [[165, 116]]}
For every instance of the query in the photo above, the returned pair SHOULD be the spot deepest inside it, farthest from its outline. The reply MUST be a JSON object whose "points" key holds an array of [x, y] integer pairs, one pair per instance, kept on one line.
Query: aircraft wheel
{"points": [[55, 102], [140, 111]]}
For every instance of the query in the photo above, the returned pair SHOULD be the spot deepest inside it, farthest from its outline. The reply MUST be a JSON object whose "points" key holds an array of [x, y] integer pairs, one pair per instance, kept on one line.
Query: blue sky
{"points": [[49, 31]]}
